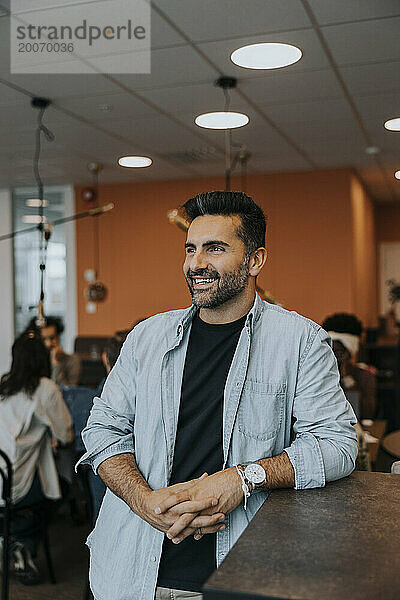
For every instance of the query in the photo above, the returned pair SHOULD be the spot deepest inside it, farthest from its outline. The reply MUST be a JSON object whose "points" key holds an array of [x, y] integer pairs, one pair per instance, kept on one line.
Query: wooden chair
{"points": [[5, 510], [8, 510]]}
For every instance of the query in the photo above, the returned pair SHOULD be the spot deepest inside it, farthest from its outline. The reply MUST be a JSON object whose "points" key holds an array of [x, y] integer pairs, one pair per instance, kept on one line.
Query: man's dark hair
{"points": [[343, 323], [112, 351], [253, 227], [50, 321], [30, 362]]}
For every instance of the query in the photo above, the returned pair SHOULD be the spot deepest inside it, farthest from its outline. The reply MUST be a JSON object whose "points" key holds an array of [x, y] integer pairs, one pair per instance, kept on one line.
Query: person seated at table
{"points": [[345, 330], [65, 368], [33, 419]]}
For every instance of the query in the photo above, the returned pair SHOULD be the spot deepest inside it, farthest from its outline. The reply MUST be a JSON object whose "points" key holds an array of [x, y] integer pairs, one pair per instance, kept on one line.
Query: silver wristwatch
{"points": [[255, 475]]}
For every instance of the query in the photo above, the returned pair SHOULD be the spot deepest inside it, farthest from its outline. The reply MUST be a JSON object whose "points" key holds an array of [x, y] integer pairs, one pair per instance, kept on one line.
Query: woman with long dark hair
{"points": [[33, 416]]}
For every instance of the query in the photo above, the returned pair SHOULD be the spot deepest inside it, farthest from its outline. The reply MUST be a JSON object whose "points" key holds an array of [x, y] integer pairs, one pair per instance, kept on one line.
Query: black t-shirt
{"points": [[198, 444]]}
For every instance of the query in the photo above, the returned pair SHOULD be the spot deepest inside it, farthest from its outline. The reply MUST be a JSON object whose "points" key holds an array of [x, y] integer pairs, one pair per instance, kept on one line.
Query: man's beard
{"points": [[225, 287]]}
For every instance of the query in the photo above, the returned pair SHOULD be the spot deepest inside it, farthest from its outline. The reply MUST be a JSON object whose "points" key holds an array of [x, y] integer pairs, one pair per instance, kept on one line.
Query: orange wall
{"points": [[387, 222], [309, 240], [364, 255]]}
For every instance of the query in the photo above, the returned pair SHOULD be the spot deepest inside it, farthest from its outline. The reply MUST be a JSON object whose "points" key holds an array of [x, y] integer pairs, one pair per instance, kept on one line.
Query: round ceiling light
{"points": [[136, 162], [266, 55], [397, 174], [393, 124], [222, 120]]}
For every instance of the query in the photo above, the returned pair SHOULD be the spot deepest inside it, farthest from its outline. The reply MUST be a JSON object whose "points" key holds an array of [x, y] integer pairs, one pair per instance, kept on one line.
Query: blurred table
{"points": [[341, 542], [391, 443]]}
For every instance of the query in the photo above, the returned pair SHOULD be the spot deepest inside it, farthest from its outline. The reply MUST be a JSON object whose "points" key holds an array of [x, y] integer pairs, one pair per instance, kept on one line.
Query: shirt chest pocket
{"points": [[261, 409]]}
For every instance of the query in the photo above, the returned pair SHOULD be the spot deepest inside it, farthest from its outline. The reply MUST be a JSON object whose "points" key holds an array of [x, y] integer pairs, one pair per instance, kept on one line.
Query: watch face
{"points": [[255, 473]]}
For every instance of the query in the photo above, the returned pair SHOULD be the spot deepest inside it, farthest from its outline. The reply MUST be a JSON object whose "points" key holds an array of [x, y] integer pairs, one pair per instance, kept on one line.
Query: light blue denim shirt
{"points": [[282, 393]]}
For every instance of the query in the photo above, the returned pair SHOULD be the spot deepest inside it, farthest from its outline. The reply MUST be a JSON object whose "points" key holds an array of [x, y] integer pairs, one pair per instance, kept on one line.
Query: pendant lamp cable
{"points": [[44, 228]]}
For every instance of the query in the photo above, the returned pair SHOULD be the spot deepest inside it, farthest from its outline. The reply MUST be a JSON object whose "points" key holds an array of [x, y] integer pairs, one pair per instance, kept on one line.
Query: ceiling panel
{"points": [[367, 41], [340, 11], [268, 163], [335, 153], [57, 86], [378, 108], [304, 101], [171, 66], [206, 21], [122, 105], [373, 78], [197, 98], [162, 34], [281, 87], [159, 133], [314, 120]]}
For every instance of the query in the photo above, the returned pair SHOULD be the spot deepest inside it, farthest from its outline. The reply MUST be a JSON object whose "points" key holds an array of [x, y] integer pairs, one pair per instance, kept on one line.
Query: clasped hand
{"points": [[195, 507]]}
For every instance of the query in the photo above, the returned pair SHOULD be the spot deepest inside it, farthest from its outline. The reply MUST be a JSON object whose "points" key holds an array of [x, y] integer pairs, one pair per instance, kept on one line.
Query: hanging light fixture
{"points": [[96, 290], [266, 55], [393, 124], [135, 162], [224, 119]]}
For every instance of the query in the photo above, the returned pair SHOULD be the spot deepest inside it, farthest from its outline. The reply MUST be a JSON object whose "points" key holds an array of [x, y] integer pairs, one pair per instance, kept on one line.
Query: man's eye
{"points": [[189, 250], [216, 249]]}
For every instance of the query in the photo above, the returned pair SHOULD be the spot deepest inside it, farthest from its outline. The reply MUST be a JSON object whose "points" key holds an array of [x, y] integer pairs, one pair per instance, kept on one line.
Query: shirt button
{"points": [[154, 558]]}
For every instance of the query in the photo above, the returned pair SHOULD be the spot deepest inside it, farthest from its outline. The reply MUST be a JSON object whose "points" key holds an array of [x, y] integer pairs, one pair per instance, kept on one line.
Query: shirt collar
{"points": [[252, 316]]}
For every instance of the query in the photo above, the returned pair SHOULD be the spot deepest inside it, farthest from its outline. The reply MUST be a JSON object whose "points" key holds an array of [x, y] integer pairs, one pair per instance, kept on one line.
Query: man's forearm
{"points": [[279, 470], [121, 475]]}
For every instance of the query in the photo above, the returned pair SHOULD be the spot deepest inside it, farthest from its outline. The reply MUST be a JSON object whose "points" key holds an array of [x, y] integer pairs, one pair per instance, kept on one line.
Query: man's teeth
{"points": [[204, 280]]}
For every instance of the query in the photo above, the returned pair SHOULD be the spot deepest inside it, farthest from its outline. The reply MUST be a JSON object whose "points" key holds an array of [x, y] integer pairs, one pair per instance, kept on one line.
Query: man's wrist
{"points": [[255, 475]]}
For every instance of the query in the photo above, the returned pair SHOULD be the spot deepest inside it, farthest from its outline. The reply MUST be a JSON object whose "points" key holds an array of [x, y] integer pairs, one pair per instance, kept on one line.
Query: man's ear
{"points": [[104, 358], [257, 261]]}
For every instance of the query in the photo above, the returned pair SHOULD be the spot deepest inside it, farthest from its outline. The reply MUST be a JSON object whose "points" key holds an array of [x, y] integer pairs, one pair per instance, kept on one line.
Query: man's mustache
{"points": [[202, 273]]}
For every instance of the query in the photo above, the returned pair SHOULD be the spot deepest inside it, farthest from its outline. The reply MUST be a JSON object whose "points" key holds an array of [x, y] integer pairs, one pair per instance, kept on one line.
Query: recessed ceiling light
{"points": [[35, 202], [105, 107], [393, 124], [397, 174], [135, 161], [222, 120], [266, 55], [33, 219], [372, 150]]}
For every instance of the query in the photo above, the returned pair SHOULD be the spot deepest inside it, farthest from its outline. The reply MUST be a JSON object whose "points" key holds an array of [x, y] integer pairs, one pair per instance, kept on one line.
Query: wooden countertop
{"points": [[341, 542]]}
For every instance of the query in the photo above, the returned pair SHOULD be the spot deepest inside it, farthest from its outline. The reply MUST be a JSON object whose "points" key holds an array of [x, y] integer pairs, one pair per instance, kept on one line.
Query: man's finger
{"points": [[180, 524], [198, 533], [194, 506], [171, 500], [185, 520], [204, 521]]}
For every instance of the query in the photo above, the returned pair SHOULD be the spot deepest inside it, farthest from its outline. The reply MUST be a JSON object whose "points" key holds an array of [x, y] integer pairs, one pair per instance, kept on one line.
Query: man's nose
{"points": [[198, 261]]}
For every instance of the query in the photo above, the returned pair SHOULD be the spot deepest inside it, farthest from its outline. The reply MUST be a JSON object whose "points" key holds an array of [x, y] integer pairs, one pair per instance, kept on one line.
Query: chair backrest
{"points": [[6, 478], [79, 401]]}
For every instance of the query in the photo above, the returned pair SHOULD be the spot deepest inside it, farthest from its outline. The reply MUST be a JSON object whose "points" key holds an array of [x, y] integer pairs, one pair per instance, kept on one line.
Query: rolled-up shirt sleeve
{"points": [[110, 427], [325, 444]]}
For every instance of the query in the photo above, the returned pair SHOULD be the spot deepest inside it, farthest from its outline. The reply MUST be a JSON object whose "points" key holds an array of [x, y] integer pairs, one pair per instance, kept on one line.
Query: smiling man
{"points": [[207, 410]]}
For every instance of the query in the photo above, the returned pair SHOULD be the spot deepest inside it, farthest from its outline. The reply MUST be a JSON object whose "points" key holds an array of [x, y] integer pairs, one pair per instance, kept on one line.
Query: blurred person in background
{"points": [[109, 357], [33, 419], [346, 330], [355, 377], [65, 368]]}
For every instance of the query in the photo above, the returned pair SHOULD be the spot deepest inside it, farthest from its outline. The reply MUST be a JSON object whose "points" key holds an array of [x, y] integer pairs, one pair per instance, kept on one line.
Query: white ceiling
{"points": [[321, 112]]}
